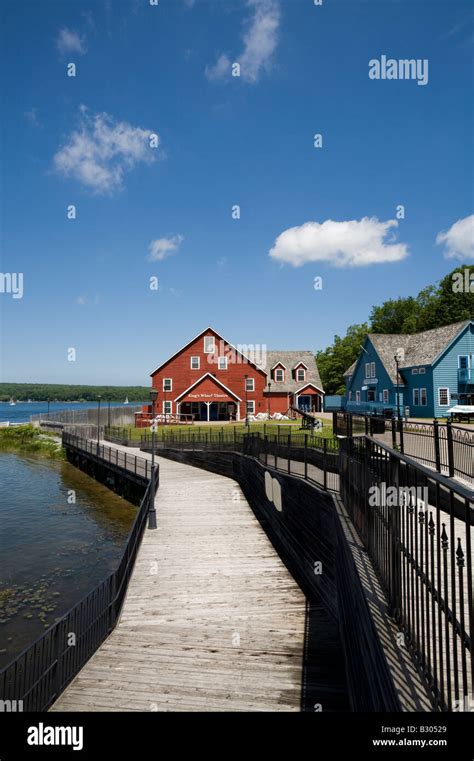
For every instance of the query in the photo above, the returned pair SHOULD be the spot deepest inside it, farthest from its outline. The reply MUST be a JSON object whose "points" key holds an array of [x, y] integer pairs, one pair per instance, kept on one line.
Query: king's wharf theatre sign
{"points": [[207, 396]]}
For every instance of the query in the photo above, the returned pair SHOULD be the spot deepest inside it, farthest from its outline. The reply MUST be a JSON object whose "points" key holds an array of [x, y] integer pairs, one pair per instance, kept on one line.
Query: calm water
{"points": [[52, 553], [21, 412]]}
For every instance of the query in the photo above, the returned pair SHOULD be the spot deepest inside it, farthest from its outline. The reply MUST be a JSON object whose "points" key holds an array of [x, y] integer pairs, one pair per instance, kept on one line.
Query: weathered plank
{"points": [[212, 619]]}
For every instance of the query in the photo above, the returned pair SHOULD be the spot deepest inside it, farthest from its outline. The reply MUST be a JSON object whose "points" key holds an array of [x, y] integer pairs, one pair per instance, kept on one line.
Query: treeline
{"points": [[41, 392], [450, 300]]}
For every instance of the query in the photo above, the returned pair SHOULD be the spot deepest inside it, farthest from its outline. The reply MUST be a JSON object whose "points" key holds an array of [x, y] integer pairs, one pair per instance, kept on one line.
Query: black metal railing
{"points": [[41, 672], [417, 528], [312, 457], [133, 463], [447, 448]]}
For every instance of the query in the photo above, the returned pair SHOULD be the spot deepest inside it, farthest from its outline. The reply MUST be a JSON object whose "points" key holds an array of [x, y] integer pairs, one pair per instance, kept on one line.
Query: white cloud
{"points": [[69, 41], [355, 243], [101, 151], [260, 41], [219, 70], [162, 247], [459, 239]]}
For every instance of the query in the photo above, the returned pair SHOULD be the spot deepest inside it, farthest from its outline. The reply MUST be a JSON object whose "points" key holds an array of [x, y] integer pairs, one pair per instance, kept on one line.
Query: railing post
{"points": [[265, 438], [325, 451], [395, 560], [394, 432], [334, 423], [449, 438], [306, 456], [436, 445], [289, 453], [366, 421], [400, 429]]}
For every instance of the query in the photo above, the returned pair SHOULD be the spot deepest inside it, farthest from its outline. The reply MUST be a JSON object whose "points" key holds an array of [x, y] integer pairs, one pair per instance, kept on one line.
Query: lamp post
{"points": [[269, 389], [152, 510], [98, 422], [398, 386], [246, 403]]}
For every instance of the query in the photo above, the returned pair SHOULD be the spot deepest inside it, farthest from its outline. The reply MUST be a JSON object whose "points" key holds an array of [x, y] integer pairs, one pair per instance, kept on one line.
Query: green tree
{"points": [[395, 316], [334, 361], [447, 304]]}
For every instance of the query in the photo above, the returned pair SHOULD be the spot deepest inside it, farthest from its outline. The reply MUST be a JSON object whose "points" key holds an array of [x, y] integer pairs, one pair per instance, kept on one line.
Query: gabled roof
{"points": [[298, 364], [199, 335], [293, 359], [420, 348], [213, 378]]}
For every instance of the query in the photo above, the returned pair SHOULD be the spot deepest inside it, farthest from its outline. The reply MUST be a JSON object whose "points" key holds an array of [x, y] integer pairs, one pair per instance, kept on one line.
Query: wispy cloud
{"points": [[219, 69], [161, 248], [355, 243], [101, 151], [69, 41], [260, 40], [458, 240]]}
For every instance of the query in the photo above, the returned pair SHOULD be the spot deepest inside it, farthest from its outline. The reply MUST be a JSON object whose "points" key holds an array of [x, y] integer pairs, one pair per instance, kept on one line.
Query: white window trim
{"points": [[367, 369], [372, 370], [350, 396], [416, 391], [170, 389], [279, 370], [443, 388], [208, 338], [425, 403], [166, 404], [422, 371], [463, 356], [251, 411], [219, 360], [385, 395], [249, 380], [198, 363], [414, 371], [357, 397], [298, 371]]}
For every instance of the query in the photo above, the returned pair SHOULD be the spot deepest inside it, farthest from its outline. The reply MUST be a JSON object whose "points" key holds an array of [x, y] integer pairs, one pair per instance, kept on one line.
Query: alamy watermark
{"points": [[403, 68], [241, 354], [12, 282], [463, 282], [382, 495]]}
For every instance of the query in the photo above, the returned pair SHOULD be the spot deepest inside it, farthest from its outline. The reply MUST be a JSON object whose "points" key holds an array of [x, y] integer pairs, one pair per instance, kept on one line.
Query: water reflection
{"points": [[60, 534]]}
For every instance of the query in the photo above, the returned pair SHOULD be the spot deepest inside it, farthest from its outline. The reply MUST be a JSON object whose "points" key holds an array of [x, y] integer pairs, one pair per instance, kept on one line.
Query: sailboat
{"points": [[126, 400], [12, 403]]}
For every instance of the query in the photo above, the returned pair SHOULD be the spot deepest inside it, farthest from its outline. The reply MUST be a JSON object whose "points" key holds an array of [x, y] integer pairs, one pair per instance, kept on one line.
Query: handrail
{"points": [[39, 674]]}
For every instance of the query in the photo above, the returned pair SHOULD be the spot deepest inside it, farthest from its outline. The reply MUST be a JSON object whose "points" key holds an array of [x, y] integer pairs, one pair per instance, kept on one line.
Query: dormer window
{"points": [[279, 375], [301, 375], [209, 344]]}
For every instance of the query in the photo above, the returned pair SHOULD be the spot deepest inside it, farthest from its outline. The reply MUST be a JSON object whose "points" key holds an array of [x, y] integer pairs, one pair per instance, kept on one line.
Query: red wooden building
{"points": [[212, 380]]}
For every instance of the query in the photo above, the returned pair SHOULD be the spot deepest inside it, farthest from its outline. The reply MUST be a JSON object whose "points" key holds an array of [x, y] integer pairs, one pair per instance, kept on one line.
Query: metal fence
{"points": [[417, 528], [302, 454], [108, 416], [42, 671], [135, 464], [447, 448]]}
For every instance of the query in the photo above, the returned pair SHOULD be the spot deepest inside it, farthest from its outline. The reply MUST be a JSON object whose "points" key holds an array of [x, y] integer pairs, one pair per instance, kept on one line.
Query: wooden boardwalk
{"points": [[212, 619]]}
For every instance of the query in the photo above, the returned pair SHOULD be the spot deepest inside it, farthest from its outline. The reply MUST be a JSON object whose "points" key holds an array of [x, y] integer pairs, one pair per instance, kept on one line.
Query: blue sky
{"points": [[224, 140]]}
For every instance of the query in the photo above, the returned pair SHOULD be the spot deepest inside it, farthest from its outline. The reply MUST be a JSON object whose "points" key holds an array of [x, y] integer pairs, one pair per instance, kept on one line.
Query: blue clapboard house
{"points": [[435, 371]]}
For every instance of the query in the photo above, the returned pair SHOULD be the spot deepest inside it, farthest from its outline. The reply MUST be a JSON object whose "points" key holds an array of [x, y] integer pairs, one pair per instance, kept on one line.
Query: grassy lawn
{"points": [[227, 430]]}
